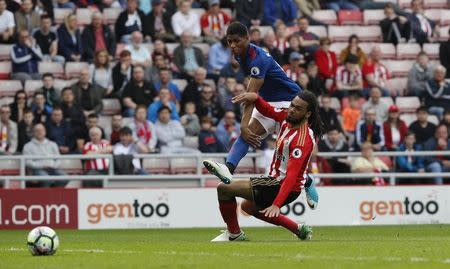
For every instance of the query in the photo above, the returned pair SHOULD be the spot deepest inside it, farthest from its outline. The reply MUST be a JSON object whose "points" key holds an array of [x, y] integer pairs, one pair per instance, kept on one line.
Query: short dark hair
{"points": [[45, 16], [164, 108], [47, 75], [27, 109], [237, 28], [57, 108], [65, 89], [422, 109], [410, 133], [255, 29], [140, 107], [124, 53], [125, 131], [39, 93], [92, 116], [389, 5], [333, 127]]}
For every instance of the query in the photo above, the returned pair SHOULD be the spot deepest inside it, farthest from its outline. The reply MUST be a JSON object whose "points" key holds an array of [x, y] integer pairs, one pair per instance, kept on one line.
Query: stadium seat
{"points": [[319, 30], [353, 17], [73, 69], [51, 67], [443, 33], [404, 3], [387, 160], [388, 50], [228, 11], [84, 16], [337, 47], [340, 33], [110, 15], [407, 103], [408, 118], [181, 83], [399, 68], [9, 167], [32, 85], [327, 16], [149, 47], [198, 11], [191, 142], [171, 47], [61, 84], [373, 16], [445, 17], [71, 166], [435, 4], [204, 47], [293, 29], [434, 15], [105, 123], [5, 52], [183, 165], [246, 166], [156, 165], [111, 106], [5, 70], [369, 33], [432, 49], [217, 159], [60, 14], [397, 86], [433, 119], [10, 87], [408, 50], [387, 100], [336, 104], [6, 100]]}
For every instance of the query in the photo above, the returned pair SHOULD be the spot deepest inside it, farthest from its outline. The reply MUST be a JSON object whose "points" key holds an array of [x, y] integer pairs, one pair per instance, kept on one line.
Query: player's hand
{"points": [[271, 211], [251, 138], [248, 97]]}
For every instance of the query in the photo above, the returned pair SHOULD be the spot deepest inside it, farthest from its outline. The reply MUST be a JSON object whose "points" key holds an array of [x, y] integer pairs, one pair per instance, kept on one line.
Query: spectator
{"points": [[99, 166], [165, 76], [334, 141], [159, 23], [293, 69], [395, 29], [18, 107], [164, 100], [269, 41], [350, 118], [307, 7], [100, 72], [152, 72], [218, 56], [127, 147], [26, 18], [308, 40], [368, 163], [145, 135], [316, 85], [255, 36], [237, 108], [41, 110], [337, 5], [422, 128], [25, 129], [328, 114], [249, 12], [326, 62], [40, 146], [353, 48], [438, 93], [208, 105], [419, 74], [69, 40], [214, 22], [369, 130], [47, 41], [438, 163], [137, 92], [160, 48], [73, 112], [394, 129], [186, 20], [130, 20], [375, 74], [65, 4], [121, 73], [284, 10], [446, 119], [410, 163], [225, 92], [48, 89], [60, 132], [228, 129], [208, 141], [82, 136], [8, 129], [139, 52], [292, 46], [444, 54], [190, 120], [348, 78], [234, 71], [374, 102], [87, 95], [170, 133], [25, 56], [7, 24], [184, 52], [423, 29], [192, 91], [97, 37], [303, 81], [116, 126]]}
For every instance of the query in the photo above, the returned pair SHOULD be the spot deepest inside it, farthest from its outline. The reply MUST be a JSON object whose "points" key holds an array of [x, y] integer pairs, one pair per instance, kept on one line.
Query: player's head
{"points": [[305, 107], [237, 37]]}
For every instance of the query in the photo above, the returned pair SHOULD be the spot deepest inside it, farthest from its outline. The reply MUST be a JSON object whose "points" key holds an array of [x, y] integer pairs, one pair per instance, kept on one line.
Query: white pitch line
{"points": [[78, 251]]}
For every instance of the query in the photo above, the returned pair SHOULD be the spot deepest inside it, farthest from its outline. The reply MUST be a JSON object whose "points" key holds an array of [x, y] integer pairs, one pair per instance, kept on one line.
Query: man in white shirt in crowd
{"points": [[126, 146], [185, 19], [139, 53], [7, 24]]}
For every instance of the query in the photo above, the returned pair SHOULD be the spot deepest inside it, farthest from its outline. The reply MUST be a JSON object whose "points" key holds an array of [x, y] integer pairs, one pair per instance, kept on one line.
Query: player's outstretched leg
{"points": [[312, 196], [227, 205], [302, 231]]}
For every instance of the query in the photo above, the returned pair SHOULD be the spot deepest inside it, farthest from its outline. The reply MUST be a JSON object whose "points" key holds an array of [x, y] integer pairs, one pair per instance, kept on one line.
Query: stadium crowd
{"points": [[170, 76]]}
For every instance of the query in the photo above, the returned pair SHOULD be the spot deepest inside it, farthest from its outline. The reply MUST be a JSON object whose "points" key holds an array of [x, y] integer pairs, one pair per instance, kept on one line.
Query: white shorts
{"points": [[270, 125]]}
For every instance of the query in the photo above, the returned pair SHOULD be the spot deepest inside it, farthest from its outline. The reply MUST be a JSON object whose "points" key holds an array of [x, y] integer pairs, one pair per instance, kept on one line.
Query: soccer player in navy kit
{"points": [[267, 79]]}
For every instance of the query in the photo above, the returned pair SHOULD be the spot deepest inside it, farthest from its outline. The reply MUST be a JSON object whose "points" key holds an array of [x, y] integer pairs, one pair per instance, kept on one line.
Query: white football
{"points": [[42, 240]]}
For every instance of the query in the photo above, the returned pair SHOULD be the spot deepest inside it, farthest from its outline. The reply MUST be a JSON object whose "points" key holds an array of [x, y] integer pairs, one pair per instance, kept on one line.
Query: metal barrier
{"points": [[199, 177]]}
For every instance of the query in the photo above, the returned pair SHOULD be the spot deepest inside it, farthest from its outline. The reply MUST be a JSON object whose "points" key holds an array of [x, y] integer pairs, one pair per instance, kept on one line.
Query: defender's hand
{"points": [[271, 211], [251, 138], [248, 97]]}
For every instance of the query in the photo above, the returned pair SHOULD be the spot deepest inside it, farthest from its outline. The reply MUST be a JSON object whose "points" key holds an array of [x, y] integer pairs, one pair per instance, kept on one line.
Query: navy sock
{"points": [[237, 152]]}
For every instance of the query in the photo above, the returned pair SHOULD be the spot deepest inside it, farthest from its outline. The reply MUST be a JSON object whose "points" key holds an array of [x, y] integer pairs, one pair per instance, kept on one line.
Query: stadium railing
{"points": [[199, 178]]}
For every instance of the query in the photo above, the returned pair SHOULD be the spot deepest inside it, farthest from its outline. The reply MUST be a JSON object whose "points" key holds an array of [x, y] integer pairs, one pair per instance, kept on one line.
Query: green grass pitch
{"points": [[417, 246]]}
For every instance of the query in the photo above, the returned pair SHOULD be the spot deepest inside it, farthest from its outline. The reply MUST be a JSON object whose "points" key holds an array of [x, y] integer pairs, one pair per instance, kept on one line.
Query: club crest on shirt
{"points": [[297, 153], [254, 71]]}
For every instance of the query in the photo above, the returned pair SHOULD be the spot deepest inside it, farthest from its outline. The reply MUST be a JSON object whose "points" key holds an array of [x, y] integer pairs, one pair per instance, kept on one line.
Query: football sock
{"points": [[237, 152], [228, 211], [281, 220]]}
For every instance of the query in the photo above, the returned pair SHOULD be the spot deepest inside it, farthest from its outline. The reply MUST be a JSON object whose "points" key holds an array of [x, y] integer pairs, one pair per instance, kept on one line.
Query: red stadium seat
{"points": [[32, 85], [50, 67], [327, 16], [10, 87], [84, 16], [399, 68], [432, 49], [408, 51], [61, 13], [183, 165], [5, 52], [373, 16], [353, 17], [5, 70], [318, 30], [436, 4], [111, 106], [397, 86], [156, 165], [110, 15], [407, 103], [9, 167], [73, 69], [434, 15], [246, 166]]}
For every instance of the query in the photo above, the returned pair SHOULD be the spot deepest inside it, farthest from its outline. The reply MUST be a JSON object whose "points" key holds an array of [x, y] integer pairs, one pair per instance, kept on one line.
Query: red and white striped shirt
{"points": [[379, 71], [215, 23], [96, 164], [293, 74], [281, 44], [346, 77], [292, 154]]}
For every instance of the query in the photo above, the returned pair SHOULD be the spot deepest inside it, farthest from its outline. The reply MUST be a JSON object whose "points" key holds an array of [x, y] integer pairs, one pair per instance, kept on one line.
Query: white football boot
{"points": [[219, 170], [225, 236]]}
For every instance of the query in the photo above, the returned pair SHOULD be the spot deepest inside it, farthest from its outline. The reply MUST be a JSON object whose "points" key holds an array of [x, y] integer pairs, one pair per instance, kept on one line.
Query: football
{"points": [[42, 241]]}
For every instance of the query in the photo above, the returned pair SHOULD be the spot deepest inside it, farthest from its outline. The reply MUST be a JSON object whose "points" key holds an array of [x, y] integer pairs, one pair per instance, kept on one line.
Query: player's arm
{"points": [[263, 107]]}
